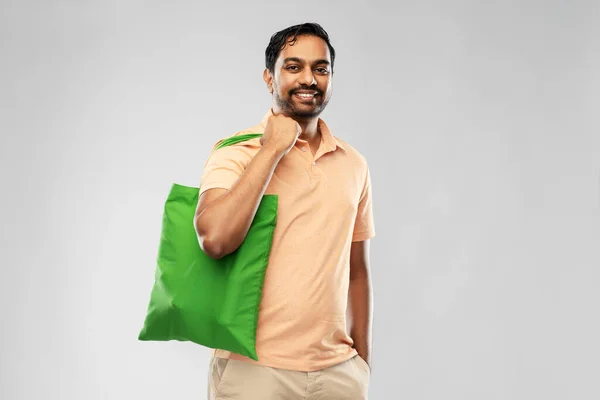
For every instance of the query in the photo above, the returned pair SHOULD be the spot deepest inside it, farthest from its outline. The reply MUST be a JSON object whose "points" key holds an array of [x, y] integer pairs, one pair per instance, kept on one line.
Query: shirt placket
{"points": [[312, 169], [309, 159]]}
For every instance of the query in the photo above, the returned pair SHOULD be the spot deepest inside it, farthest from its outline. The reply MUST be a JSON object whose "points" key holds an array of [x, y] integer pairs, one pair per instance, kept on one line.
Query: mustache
{"points": [[313, 88]]}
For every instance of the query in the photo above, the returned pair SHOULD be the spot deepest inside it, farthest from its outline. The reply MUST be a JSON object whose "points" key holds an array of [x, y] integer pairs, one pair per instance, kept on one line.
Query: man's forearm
{"points": [[361, 309], [226, 221]]}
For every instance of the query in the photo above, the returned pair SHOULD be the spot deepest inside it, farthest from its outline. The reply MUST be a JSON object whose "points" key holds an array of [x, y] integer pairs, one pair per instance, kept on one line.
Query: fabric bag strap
{"points": [[237, 139]]}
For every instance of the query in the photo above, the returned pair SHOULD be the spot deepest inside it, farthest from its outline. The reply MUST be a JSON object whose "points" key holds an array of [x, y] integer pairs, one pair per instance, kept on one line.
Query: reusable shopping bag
{"points": [[213, 303]]}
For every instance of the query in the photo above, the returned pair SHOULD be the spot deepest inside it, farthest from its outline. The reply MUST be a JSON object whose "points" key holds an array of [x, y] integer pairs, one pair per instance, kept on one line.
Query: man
{"points": [[319, 262]]}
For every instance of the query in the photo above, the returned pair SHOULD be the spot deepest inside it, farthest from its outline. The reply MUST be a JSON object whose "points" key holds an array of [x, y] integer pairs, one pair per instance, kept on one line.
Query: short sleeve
{"points": [[224, 167], [364, 226]]}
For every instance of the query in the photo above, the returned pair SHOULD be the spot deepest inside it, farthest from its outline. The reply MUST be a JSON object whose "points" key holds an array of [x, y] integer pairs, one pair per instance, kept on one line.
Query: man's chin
{"points": [[306, 112], [302, 112], [304, 115]]}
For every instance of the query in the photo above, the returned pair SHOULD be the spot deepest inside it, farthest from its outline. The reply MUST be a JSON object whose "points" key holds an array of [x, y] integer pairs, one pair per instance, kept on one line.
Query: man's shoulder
{"points": [[242, 139]]}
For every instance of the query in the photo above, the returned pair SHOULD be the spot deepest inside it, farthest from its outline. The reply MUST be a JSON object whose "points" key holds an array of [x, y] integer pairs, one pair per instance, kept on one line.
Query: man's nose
{"points": [[307, 78]]}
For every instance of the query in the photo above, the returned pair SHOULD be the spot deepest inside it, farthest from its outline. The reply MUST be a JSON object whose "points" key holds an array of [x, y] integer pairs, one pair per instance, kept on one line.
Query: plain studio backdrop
{"points": [[481, 126]]}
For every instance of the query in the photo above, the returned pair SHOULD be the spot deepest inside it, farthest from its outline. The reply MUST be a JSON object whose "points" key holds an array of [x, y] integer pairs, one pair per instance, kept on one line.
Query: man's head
{"points": [[299, 69]]}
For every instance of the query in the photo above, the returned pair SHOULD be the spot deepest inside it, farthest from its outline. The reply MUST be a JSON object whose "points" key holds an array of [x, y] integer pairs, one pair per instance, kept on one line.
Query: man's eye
{"points": [[292, 67], [322, 70]]}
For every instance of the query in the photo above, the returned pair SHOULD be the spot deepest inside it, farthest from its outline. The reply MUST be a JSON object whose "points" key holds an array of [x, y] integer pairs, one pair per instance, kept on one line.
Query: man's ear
{"points": [[268, 78]]}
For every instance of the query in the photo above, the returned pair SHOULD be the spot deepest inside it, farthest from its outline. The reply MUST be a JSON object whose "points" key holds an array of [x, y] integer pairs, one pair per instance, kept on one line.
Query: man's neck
{"points": [[310, 130]]}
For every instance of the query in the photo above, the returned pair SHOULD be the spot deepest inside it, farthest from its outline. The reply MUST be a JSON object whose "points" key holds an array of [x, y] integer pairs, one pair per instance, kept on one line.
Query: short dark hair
{"points": [[289, 35]]}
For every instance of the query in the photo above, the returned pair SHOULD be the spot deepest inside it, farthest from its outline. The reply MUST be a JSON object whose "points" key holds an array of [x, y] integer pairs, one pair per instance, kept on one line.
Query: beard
{"points": [[301, 111]]}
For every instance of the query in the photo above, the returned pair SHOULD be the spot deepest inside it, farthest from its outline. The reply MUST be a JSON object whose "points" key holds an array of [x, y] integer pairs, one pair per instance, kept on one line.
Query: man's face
{"points": [[301, 82]]}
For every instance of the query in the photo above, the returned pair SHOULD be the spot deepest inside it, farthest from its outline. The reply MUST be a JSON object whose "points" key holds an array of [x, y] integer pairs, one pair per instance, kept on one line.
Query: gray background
{"points": [[480, 123]]}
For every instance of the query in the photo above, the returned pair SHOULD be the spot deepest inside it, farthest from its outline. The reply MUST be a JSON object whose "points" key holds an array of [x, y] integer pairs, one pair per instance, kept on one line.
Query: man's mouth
{"points": [[306, 95]]}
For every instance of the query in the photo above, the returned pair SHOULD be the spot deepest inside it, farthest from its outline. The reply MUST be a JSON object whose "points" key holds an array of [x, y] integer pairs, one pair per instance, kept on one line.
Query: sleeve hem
{"points": [[214, 185], [363, 235]]}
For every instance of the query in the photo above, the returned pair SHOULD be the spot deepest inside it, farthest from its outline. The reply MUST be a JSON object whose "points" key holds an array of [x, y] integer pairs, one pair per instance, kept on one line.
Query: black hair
{"points": [[289, 35]]}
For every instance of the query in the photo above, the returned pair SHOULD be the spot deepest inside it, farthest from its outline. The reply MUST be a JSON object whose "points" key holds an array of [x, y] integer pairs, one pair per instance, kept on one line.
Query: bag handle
{"points": [[237, 139]]}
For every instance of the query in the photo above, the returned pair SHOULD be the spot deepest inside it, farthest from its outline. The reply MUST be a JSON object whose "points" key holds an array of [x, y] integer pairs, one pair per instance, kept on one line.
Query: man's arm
{"points": [[360, 299], [223, 217]]}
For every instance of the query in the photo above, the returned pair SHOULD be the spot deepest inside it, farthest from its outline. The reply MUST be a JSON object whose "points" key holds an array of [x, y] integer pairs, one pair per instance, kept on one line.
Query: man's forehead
{"points": [[307, 48]]}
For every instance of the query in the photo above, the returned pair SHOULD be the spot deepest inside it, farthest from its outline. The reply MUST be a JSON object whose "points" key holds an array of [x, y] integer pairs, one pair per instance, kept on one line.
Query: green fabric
{"points": [[214, 303], [237, 139]]}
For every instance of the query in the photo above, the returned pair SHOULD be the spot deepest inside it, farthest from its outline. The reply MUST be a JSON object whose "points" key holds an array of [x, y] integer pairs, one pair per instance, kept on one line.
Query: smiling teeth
{"points": [[305, 95]]}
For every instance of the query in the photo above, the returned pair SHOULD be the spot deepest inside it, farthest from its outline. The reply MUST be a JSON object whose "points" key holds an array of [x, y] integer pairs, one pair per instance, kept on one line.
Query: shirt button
{"points": [[304, 149], [314, 163]]}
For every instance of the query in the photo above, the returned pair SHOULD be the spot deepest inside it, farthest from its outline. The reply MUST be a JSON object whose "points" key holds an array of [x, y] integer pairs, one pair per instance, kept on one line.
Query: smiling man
{"points": [[314, 328]]}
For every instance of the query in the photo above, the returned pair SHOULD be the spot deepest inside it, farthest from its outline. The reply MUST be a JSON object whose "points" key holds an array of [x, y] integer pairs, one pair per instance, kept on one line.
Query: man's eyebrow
{"points": [[299, 61]]}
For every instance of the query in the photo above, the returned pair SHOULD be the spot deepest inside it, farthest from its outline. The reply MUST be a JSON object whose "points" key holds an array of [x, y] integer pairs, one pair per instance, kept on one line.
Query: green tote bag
{"points": [[213, 303]]}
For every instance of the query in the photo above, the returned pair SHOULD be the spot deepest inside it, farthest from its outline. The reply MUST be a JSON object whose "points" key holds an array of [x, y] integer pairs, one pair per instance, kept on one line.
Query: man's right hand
{"points": [[280, 134]]}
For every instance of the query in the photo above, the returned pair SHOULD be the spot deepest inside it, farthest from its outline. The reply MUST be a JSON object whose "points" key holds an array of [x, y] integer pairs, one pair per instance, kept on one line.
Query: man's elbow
{"points": [[216, 239], [212, 247], [208, 240]]}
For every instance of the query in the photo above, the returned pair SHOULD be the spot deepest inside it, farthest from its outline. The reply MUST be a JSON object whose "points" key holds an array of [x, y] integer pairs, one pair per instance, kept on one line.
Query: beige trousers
{"points": [[239, 380]]}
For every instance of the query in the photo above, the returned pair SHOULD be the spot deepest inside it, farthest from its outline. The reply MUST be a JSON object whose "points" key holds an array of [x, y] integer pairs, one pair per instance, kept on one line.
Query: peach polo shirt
{"points": [[325, 204]]}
